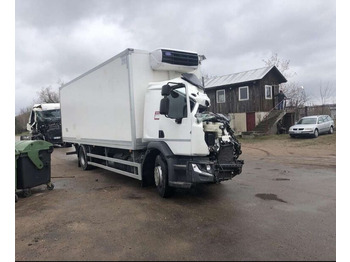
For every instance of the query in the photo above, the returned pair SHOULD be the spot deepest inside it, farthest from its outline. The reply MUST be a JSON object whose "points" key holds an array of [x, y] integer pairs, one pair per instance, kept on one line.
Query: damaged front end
{"points": [[49, 131], [223, 146]]}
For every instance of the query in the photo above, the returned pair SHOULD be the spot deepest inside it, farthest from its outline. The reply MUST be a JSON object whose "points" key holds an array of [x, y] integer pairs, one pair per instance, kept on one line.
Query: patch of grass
{"points": [[267, 138], [286, 140]]}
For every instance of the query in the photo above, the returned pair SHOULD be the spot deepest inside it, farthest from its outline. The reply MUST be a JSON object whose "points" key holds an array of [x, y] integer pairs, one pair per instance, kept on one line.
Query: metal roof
{"points": [[246, 76]]}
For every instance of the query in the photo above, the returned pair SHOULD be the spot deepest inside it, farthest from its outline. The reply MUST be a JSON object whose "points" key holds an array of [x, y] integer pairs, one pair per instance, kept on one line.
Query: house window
{"points": [[268, 92], [220, 96], [243, 93]]}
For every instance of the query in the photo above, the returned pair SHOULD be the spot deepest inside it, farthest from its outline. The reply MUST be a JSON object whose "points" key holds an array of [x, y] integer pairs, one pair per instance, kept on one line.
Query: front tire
{"points": [[161, 177], [316, 133]]}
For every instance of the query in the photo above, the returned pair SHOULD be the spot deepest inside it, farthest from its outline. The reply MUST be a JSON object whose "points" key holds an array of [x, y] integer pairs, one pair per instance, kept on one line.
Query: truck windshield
{"points": [[49, 114]]}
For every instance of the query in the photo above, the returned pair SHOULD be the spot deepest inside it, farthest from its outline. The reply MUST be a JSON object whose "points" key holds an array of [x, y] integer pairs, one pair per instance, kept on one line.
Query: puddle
{"points": [[270, 197]]}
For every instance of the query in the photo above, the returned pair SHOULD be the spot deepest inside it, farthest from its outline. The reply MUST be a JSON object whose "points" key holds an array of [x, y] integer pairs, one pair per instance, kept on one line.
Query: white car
{"points": [[312, 126]]}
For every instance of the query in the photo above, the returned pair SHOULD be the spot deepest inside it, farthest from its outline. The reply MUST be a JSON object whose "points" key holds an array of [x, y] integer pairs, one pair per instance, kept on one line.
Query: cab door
{"points": [[175, 127]]}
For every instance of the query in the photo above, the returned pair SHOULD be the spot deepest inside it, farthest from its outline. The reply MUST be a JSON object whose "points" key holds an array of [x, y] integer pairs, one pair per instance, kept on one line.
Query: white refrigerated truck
{"points": [[145, 115]]}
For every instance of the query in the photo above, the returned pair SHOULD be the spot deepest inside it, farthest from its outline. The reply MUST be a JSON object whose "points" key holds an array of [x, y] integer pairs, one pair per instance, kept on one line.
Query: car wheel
{"points": [[331, 130], [316, 133], [161, 177]]}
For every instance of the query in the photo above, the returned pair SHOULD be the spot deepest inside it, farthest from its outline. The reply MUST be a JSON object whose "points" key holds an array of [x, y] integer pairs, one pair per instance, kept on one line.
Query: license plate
{"points": [[57, 137]]}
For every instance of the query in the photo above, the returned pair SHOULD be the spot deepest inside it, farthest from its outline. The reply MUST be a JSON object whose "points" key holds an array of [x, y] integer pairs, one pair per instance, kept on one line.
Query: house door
{"points": [[250, 117]]}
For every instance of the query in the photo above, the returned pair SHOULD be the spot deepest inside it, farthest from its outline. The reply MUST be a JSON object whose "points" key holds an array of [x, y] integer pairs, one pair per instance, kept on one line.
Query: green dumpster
{"points": [[33, 165], [16, 157]]}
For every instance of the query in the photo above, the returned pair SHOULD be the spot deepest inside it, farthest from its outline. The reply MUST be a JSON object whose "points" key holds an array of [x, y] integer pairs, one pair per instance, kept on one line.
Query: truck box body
{"points": [[104, 106]]}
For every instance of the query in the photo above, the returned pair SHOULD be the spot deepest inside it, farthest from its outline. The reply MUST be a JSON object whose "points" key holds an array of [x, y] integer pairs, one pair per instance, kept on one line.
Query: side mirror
{"points": [[166, 89], [164, 106]]}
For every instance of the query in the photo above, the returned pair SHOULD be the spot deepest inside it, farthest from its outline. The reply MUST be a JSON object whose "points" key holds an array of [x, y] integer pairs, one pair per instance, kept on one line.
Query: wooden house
{"points": [[247, 96]]}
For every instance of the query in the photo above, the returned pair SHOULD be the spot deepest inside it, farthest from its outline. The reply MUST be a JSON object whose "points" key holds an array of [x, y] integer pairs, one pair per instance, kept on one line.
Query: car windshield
{"points": [[307, 121]]}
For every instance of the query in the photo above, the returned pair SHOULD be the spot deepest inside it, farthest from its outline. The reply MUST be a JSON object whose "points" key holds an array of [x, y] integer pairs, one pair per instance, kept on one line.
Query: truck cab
{"points": [[45, 123], [192, 145]]}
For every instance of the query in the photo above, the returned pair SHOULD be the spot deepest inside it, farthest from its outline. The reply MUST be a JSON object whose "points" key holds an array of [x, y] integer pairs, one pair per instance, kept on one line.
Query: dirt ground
{"points": [[282, 207], [320, 152]]}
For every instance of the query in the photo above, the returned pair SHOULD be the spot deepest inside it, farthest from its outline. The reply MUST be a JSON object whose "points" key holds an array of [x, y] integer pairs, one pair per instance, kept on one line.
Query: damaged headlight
{"points": [[202, 168]]}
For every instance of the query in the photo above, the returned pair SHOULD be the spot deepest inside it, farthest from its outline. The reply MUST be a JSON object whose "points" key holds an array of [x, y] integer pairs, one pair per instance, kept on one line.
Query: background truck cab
{"points": [[45, 123]]}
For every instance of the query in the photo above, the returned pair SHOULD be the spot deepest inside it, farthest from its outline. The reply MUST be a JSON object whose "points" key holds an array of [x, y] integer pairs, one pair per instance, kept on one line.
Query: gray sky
{"points": [[61, 39]]}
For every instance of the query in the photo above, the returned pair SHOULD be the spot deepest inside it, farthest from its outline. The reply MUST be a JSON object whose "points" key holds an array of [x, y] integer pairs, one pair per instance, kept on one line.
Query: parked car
{"points": [[312, 126]]}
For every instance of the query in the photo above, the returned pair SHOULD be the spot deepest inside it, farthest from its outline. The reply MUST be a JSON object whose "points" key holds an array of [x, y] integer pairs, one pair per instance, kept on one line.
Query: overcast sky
{"points": [[58, 40]]}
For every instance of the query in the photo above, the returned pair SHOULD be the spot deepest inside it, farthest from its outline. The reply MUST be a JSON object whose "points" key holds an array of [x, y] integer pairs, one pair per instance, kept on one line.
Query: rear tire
{"points": [[82, 158], [161, 177], [331, 130]]}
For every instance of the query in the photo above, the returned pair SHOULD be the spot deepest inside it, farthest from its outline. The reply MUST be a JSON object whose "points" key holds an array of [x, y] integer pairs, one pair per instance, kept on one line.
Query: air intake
{"points": [[174, 60], [179, 58]]}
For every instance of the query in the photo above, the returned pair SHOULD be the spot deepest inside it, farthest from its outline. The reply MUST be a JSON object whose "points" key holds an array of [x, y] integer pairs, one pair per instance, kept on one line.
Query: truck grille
{"points": [[226, 153]]}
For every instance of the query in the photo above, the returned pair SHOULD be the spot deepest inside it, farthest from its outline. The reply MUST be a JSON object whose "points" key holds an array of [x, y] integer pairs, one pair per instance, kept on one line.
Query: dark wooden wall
{"points": [[256, 102]]}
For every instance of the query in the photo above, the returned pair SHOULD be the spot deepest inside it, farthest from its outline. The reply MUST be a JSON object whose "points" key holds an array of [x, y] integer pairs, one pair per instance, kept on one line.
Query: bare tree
{"points": [[294, 91], [281, 64], [296, 95], [47, 95], [326, 93]]}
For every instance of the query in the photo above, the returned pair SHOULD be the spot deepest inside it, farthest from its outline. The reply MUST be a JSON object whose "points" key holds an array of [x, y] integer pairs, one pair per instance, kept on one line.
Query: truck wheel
{"points": [[161, 177], [82, 158]]}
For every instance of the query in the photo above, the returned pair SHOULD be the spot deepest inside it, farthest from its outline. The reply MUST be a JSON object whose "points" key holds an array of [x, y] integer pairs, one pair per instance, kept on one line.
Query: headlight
{"points": [[208, 168]]}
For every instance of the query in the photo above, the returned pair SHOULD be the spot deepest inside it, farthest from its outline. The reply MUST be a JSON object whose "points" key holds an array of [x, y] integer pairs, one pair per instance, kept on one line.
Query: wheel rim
{"points": [[82, 158], [158, 175], [316, 133]]}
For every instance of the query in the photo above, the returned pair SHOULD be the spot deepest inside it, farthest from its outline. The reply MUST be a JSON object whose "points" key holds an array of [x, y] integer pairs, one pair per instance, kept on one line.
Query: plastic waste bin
{"points": [[16, 157], [33, 165]]}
